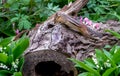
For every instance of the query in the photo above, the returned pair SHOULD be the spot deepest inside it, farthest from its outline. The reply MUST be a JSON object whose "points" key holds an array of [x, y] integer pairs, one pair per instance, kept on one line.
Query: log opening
{"points": [[48, 63], [47, 68]]}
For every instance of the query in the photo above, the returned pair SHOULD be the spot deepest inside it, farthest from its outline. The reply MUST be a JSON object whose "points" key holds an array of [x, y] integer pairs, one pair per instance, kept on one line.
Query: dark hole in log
{"points": [[73, 13], [47, 68], [50, 26]]}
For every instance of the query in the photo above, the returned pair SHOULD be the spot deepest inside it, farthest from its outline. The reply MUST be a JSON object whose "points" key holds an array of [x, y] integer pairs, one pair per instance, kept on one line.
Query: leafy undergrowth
{"points": [[25, 14], [11, 59], [102, 10]]}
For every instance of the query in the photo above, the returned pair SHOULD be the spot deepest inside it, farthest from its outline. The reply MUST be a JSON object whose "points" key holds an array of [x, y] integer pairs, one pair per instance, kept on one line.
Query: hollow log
{"points": [[61, 37], [48, 63]]}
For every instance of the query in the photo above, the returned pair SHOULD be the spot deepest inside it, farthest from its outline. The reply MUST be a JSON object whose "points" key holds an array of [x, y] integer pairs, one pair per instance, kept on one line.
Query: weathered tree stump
{"points": [[61, 37]]}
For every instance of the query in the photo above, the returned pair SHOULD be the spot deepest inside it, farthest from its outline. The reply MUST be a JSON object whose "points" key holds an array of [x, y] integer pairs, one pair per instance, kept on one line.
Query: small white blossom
{"points": [[14, 65], [4, 53], [94, 59], [107, 63], [3, 66], [4, 48], [101, 68], [0, 49]]}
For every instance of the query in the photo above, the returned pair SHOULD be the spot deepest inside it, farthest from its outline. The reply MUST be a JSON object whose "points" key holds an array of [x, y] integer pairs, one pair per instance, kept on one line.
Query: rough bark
{"points": [[62, 37]]}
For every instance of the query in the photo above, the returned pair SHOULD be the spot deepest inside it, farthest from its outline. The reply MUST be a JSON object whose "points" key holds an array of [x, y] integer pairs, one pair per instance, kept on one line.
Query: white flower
{"points": [[0, 49]]}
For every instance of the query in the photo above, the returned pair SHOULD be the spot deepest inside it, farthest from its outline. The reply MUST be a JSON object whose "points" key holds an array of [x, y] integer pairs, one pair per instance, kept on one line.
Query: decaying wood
{"points": [[34, 59], [56, 40], [74, 8]]}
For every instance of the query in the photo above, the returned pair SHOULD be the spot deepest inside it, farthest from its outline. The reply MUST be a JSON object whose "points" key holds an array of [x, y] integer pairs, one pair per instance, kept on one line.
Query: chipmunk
{"points": [[71, 23], [74, 25]]}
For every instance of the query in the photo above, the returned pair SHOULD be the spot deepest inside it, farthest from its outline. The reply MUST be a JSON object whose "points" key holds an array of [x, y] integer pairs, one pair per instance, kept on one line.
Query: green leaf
{"points": [[20, 47], [20, 65], [8, 49], [100, 56], [24, 24], [90, 62], [117, 35], [10, 1], [10, 60], [108, 54], [110, 57], [6, 41], [99, 10], [112, 49], [17, 74], [116, 55], [84, 66], [2, 14], [86, 74], [14, 7], [3, 58], [14, 19], [25, 2], [5, 73], [117, 10], [108, 71], [24, 8]]}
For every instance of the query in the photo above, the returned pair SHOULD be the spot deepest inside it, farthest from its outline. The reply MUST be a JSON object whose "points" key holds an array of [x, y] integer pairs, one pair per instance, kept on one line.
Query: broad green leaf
{"points": [[8, 49], [14, 7], [6, 41], [5, 73], [116, 55], [100, 56], [20, 65], [99, 10], [25, 2], [112, 50], [27, 25], [57, 1], [10, 60], [24, 8], [14, 19], [90, 62], [20, 47], [108, 71], [117, 10], [86, 74], [117, 35], [86, 67], [17, 74], [95, 16], [109, 56], [3, 58], [10, 1], [24, 24], [1, 14]]}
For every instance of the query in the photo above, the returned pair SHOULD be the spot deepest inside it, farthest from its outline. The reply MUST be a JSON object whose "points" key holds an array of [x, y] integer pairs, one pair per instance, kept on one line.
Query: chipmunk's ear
{"points": [[56, 17]]}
